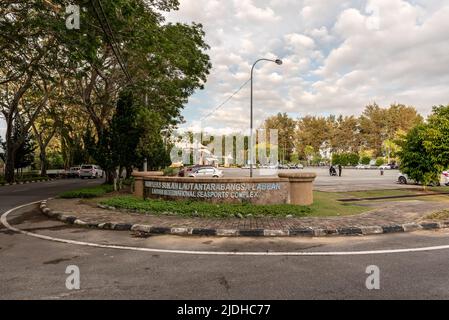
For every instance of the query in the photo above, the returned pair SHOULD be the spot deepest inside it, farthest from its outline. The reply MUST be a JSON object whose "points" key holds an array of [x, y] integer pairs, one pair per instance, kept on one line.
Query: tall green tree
{"points": [[31, 52], [286, 131], [425, 149]]}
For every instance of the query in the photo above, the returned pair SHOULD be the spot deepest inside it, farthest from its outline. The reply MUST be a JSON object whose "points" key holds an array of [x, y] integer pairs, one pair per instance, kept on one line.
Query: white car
{"points": [[74, 172], [385, 167], [446, 177], [90, 171], [362, 166], [206, 173], [404, 179]]}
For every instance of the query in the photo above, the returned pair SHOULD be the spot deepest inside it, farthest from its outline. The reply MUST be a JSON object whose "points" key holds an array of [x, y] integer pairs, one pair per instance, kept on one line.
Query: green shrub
{"points": [[380, 161], [365, 160], [345, 159], [90, 192], [204, 209], [171, 172]]}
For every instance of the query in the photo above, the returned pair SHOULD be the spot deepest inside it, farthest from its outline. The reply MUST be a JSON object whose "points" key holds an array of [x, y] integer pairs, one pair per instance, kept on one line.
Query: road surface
{"points": [[33, 268]]}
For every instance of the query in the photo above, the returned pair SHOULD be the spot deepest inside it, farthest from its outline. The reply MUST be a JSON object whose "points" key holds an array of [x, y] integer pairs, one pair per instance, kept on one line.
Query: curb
{"points": [[301, 232], [25, 182]]}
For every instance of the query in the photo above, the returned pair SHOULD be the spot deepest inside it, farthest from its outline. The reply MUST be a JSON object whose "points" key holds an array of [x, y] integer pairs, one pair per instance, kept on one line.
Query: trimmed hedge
{"points": [[90, 192], [204, 209]]}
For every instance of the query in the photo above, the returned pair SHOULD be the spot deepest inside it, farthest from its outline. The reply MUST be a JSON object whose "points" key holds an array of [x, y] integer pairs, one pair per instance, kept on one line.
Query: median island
{"points": [[331, 213]]}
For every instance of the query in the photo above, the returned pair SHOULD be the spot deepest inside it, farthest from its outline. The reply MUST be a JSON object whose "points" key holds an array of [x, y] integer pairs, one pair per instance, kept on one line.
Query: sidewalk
{"points": [[393, 216]]}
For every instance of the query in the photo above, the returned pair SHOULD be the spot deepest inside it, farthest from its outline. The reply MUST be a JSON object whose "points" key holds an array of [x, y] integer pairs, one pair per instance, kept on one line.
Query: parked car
{"points": [[446, 177], [390, 166], [296, 166], [90, 171], [206, 172], [187, 170], [73, 172], [362, 166], [404, 179]]}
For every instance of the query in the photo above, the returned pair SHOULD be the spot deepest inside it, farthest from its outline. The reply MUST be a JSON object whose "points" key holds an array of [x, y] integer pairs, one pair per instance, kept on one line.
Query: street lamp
{"points": [[278, 62]]}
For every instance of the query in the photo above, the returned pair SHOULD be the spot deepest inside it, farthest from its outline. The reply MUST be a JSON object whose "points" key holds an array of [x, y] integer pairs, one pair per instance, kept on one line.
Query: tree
{"points": [[416, 162], [309, 151], [345, 159], [286, 130], [425, 149], [437, 139], [345, 135], [166, 63], [365, 160], [313, 131], [379, 124], [125, 131], [24, 154], [151, 145], [30, 53]]}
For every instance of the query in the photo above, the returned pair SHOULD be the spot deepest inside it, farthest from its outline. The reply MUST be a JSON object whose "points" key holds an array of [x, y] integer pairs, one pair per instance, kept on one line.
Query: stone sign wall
{"points": [[292, 188], [256, 191]]}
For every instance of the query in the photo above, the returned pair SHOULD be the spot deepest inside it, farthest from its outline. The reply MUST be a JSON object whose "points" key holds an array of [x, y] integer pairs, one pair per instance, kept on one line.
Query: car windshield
{"points": [[86, 167]]}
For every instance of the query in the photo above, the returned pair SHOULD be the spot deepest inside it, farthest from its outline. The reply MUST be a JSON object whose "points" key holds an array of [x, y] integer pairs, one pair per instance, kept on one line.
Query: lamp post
{"points": [[278, 62]]}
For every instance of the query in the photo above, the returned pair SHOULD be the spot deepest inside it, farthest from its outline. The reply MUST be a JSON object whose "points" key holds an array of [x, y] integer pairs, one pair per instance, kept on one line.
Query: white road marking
{"points": [[3, 220]]}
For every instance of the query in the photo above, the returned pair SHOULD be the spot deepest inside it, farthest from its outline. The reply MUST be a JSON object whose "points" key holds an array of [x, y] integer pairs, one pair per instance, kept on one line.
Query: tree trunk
{"points": [[110, 176], [43, 158], [9, 165], [129, 171]]}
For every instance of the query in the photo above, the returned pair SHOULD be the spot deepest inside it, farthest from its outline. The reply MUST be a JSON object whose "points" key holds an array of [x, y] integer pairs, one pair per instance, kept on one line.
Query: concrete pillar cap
{"points": [[299, 177]]}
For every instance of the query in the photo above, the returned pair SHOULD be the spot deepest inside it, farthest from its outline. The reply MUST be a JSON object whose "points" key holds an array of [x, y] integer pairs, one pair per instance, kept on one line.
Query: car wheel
{"points": [[402, 180]]}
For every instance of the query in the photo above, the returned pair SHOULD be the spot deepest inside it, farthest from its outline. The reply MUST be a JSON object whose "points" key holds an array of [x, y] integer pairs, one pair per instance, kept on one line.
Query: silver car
{"points": [[206, 173]]}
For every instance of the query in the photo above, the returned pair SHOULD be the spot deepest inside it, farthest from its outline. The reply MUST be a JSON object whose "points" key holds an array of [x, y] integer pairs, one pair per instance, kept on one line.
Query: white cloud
{"points": [[338, 56], [248, 12]]}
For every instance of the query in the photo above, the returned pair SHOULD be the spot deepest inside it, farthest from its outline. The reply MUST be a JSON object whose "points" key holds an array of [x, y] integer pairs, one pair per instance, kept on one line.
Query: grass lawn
{"points": [[378, 193], [441, 215], [325, 204], [89, 192]]}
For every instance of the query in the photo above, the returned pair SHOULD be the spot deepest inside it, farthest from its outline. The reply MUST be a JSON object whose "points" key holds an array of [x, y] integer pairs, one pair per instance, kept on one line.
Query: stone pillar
{"points": [[139, 181], [301, 187], [138, 187]]}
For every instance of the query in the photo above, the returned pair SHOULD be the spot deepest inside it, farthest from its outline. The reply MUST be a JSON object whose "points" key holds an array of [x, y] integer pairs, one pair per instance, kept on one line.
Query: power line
{"points": [[110, 37], [226, 101]]}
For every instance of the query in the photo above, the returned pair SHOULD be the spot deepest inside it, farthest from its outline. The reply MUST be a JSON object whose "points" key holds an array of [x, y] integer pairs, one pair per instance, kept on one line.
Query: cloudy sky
{"points": [[338, 56]]}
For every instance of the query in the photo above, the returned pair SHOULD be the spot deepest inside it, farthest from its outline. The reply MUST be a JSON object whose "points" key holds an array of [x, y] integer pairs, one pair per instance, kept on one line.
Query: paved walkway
{"points": [[393, 213]]}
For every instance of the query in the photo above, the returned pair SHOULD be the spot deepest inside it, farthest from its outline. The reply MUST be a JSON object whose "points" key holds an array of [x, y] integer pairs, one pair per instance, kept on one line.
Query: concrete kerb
{"points": [[303, 232], [25, 182]]}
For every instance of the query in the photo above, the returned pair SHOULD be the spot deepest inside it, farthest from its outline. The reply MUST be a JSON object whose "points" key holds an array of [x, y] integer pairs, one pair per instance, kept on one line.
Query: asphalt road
{"points": [[32, 268], [351, 179]]}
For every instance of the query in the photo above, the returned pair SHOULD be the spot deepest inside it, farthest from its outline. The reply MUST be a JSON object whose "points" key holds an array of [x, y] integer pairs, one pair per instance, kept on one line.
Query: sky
{"points": [[339, 56]]}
